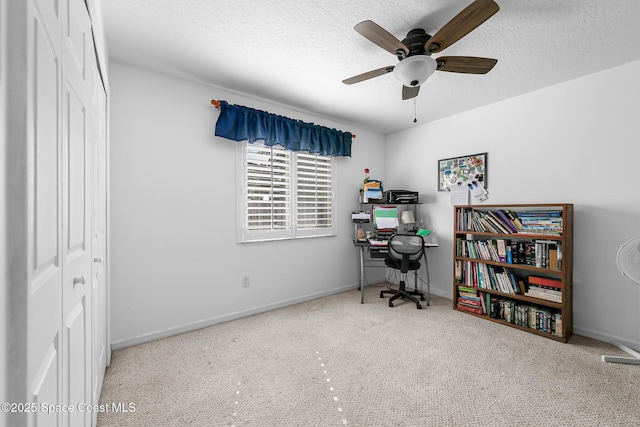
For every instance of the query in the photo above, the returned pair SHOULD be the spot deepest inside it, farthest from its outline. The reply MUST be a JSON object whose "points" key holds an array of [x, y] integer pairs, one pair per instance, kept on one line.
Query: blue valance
{"points": [[240, 123]]}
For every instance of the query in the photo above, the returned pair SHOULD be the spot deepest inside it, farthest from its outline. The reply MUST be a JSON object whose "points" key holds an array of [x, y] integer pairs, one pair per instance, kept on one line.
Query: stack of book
{"points": [[544, 288], [469, 299], [541, 222], [373, 190]]}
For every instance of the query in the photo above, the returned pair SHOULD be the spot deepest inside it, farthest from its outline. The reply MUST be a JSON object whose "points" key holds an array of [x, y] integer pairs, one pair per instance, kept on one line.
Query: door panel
{"points": [[77, 93], [76, 169], [99, 243], [46, 385], [76, 361], [46, 179], [44, 192], [77, 38]]}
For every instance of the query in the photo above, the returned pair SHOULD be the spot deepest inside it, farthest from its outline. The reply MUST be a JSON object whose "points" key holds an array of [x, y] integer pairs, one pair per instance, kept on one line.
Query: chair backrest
{"points": [[405, 248]]}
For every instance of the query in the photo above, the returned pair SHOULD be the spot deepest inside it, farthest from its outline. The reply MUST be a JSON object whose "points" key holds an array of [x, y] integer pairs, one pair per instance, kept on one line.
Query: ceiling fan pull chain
{"points": [[415, 111]]}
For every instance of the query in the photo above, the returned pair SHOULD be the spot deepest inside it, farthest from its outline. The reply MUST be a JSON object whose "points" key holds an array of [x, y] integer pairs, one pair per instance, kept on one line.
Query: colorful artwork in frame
{"points": [[462, 170]]}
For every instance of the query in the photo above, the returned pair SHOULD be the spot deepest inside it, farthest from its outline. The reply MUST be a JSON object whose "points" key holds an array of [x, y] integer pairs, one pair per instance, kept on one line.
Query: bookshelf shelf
{"points": [[513, 265]]}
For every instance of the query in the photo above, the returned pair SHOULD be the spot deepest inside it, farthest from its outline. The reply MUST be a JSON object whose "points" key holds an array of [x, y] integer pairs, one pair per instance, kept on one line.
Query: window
{"points": [[285, 194]]}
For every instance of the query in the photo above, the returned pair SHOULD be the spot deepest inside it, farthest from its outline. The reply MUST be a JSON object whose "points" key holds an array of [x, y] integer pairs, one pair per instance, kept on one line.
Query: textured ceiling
{"points": [[298, 52]]}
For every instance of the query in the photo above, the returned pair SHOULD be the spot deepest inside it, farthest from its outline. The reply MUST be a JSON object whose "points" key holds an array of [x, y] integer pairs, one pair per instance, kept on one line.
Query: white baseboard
{"points": [[156, 335], [608, 338], [152, 336]]}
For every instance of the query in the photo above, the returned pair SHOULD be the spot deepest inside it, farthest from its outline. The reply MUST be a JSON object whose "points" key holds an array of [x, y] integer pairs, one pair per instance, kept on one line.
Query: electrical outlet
{"points": [[245, 282]]}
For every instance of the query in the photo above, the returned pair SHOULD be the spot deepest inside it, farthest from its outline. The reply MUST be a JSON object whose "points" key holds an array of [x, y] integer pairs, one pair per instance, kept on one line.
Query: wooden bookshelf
{"points": [[513, 265]]}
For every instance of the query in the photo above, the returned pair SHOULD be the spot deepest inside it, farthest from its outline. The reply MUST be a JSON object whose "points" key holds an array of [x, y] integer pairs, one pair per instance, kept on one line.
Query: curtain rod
{"points": [[216, 104]]}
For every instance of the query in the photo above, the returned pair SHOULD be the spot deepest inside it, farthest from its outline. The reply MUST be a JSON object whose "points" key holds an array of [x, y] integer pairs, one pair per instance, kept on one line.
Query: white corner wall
{"points": [[4, 259], [575, 142], [176, 265]]}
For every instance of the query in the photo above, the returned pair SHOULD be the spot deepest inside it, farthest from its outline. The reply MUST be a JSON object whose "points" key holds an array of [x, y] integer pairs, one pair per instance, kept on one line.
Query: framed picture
{"points": [[462, 170]]}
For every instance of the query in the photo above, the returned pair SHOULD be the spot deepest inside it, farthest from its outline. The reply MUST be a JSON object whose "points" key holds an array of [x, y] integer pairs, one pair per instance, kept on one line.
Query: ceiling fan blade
{"points": [[378, 35], [368, 75], [461, 25], [410, 92], [465, 64]]}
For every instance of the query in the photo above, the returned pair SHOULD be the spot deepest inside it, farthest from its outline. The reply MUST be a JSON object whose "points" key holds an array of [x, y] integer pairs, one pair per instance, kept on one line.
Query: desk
{"points": [[364, 244]]}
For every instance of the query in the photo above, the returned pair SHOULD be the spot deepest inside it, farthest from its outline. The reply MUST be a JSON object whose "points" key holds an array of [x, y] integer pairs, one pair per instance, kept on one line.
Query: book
{"points": [[553, 258], [502, 250], [470, 301], [494, 308], [487, 224], [545, 281], [529, 253], [497, 222], [522, 259], [543, 295], [503, 215], [475, 310], [515, 257], [539, 214], [513, 216], [513, 280], [559, 257], [545, 290], [558, 325], [482, 296]]}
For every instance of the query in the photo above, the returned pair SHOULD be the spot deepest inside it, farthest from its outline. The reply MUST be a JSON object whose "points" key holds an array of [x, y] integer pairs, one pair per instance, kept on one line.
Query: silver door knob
{"points": [[79, 280], [97, 259]]}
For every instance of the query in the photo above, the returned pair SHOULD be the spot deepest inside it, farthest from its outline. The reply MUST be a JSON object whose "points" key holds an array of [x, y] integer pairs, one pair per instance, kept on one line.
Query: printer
{"points": [[401, 196]]}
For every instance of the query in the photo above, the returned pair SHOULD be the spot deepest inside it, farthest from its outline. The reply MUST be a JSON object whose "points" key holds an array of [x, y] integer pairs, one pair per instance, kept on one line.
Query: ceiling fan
{"points": [[414, 52]]}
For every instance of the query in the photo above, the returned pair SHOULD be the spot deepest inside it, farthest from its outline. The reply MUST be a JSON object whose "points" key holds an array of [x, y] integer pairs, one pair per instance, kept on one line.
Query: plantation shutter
{"points": [[314, 194], [268, 188]]}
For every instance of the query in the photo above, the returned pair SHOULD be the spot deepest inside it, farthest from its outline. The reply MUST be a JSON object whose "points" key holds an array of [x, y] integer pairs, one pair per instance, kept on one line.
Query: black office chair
{"points": [[403, 253]]}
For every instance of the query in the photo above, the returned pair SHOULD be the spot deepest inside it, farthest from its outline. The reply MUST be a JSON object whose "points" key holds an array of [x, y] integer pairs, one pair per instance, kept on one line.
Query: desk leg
{"points": [[426, 267], [361, 274]]}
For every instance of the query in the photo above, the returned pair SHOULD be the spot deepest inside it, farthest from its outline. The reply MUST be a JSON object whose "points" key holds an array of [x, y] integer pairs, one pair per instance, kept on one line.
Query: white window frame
{"points": [[245, 235]]}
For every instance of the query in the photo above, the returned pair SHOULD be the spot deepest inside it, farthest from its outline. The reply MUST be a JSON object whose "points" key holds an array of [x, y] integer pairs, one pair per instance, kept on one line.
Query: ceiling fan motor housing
{"points": [[415, 41]]}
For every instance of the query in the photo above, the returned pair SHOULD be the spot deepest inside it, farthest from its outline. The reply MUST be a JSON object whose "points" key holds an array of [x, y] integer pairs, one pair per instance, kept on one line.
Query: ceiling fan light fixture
{"points": [[414, 70]]}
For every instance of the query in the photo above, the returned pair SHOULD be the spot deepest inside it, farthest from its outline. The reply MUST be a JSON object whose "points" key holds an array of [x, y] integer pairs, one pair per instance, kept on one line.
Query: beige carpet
{"points": [[334, 362]]}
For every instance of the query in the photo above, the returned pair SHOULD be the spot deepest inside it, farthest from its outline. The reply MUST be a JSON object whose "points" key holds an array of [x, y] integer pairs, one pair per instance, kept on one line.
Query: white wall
{"points": [[4, 275], [576, 142], [175, 261]]}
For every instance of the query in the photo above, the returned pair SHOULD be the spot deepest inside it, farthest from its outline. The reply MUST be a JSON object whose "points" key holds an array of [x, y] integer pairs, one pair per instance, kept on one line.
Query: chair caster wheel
{"points": [[418, 306], [381, 295], [390, 304], [422, 298]]}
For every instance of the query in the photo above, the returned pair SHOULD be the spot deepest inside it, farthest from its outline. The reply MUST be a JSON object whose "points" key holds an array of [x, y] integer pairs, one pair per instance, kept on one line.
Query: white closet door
{"points": [[99, 243], [59, 185], [44, 210], [77, 90]]}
